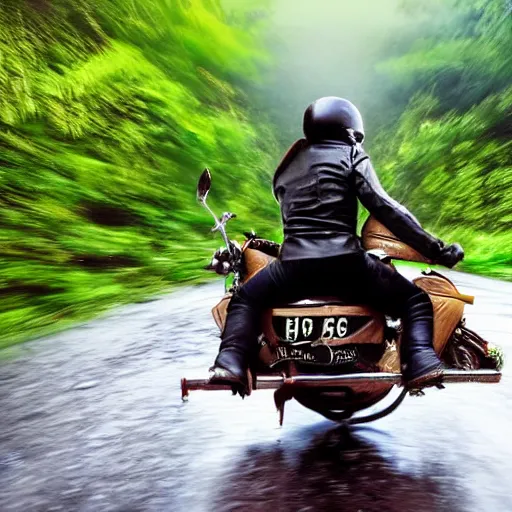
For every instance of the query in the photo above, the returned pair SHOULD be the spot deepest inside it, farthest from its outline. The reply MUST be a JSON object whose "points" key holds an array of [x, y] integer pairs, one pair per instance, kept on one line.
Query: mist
{"points": [[332, 48]]}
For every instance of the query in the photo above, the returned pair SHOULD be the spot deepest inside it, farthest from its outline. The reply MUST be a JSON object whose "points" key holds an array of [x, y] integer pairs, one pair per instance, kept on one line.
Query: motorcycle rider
{"points": [[317, 184]]}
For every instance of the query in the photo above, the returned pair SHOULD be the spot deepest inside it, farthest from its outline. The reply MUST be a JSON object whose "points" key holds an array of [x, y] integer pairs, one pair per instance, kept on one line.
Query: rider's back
{"points": [[316, 191]]}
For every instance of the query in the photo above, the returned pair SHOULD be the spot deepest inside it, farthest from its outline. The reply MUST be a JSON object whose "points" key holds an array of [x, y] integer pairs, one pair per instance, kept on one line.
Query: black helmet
{"points": [[333, 118]]}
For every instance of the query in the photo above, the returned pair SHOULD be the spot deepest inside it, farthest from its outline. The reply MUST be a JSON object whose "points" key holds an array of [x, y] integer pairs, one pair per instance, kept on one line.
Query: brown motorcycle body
{"points": [[348, 338]]}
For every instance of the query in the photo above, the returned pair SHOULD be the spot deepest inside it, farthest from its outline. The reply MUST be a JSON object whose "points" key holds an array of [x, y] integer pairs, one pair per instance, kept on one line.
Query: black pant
{"points": [[355, 278]]}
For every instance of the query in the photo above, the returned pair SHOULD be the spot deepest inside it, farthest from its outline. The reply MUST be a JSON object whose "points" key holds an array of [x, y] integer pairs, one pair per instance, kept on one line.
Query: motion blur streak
{"points": [[434, 82], [109, 111]]}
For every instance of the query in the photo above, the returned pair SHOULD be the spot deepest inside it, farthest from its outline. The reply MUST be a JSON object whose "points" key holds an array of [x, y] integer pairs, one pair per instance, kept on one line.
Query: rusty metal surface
{"points": [[92, 420]]}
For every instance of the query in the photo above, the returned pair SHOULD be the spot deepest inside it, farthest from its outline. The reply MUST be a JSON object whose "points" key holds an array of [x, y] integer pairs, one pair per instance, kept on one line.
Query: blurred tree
{"points": [[449, 156], [108, 113], [110, 110]]}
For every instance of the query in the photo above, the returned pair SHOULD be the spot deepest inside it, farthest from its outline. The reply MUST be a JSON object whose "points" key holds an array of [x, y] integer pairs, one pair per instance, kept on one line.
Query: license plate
{"points": [[294, 329], [319, 354]]}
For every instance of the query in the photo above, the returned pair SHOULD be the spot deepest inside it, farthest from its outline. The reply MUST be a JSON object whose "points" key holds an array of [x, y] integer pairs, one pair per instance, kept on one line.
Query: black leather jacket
{"points": [[317, 187]]}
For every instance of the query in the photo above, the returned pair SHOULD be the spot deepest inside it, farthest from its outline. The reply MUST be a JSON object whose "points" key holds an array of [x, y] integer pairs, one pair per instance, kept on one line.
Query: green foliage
{"points": [[109, 110], [449, 159], [108, 113]]}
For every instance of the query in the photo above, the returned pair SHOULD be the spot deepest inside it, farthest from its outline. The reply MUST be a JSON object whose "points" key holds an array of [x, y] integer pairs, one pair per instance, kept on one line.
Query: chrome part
{"points": [[226, 217], [203, 187], [221, 228], [233, 248], [319, 381]]}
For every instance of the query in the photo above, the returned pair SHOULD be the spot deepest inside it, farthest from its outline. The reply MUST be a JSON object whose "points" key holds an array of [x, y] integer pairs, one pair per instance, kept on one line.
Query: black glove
{"points": [[221, 262], [450, 255]]}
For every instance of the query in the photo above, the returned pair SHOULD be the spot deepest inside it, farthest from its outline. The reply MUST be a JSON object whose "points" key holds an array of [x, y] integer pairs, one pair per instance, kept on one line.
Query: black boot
{"points": [[422, 369], [230, 367], [421, 365], [239, 339]]}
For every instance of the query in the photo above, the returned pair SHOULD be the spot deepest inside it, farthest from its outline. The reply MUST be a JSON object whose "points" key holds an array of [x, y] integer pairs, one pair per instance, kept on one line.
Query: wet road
{"points": [[92, 420]]}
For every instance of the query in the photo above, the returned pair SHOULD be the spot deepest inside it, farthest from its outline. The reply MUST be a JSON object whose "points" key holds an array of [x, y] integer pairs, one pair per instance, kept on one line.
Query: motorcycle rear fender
{"points": [[371, 332]]}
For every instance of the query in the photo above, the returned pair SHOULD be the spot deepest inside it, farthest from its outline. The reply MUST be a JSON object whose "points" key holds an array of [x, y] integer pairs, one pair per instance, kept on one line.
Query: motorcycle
{"points": [[335, 358]]}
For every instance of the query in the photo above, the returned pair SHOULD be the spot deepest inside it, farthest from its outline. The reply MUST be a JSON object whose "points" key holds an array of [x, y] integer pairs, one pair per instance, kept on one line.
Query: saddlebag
{"points": [[448, 306]]}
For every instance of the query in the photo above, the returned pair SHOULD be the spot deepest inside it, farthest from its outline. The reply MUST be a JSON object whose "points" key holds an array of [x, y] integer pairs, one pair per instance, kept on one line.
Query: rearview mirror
{"points": [[203, 186]]}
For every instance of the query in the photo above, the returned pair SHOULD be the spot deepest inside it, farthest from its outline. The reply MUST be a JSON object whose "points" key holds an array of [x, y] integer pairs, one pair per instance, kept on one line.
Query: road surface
{"points": [[92, 420]]}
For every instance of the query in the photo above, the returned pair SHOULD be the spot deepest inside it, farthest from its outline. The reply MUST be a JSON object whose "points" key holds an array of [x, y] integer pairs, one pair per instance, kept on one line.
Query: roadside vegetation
{"points": [[109, 111]]}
